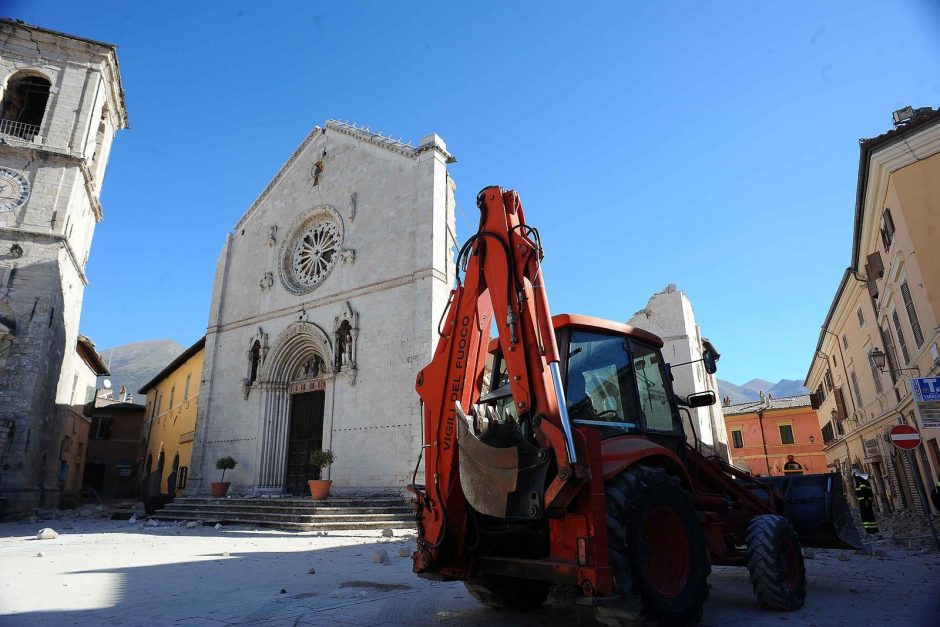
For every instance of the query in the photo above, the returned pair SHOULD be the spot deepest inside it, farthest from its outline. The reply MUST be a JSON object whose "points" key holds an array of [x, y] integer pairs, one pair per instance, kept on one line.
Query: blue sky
{"points": [[708, 144]]}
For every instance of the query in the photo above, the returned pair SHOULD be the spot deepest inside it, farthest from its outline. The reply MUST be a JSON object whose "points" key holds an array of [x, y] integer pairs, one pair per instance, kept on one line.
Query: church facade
{"points": [[325, 305]]}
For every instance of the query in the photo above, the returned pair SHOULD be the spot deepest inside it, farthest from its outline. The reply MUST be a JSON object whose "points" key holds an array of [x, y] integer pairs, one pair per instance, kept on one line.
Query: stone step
{"points": [[300, 509], [299, 502], [288, 511], [297, 526], [273, 516]]}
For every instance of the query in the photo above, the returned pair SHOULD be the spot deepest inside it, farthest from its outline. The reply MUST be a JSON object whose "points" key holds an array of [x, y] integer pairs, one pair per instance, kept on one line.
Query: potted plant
{"points": [[220, 488], [320, 488]]}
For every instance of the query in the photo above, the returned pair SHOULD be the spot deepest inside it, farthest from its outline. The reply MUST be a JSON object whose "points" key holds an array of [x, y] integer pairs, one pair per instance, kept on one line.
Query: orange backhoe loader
{"points": [[555, 456]]}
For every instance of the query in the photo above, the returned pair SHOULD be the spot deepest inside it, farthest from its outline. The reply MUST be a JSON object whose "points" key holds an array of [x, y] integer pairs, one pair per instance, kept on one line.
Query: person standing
{"points": [[865, 497]]}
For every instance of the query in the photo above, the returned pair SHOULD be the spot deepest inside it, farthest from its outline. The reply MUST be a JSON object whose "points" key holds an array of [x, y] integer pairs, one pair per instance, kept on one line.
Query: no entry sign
{"points": [[904, 437]]}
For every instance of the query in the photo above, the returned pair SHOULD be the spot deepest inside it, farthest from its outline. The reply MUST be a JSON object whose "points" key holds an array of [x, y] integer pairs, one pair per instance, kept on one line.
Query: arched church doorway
{"points": [[304, 437]]}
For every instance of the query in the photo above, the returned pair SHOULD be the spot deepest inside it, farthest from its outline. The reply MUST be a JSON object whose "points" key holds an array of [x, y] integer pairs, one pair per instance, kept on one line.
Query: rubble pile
{"points": [[907, 529]]}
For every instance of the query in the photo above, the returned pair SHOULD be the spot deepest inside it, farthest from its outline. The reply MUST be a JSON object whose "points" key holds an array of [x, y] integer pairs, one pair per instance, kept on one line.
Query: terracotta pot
{"points": [[319, 488], [220, 489]]}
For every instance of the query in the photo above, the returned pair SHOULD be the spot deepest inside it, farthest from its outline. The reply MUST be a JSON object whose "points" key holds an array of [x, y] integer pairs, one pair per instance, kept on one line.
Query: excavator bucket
{"points": [[816, 506], [487, 474]]}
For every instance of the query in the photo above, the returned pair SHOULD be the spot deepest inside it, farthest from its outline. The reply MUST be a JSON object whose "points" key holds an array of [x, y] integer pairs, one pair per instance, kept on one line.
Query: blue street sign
{"points": [[926, 389]]}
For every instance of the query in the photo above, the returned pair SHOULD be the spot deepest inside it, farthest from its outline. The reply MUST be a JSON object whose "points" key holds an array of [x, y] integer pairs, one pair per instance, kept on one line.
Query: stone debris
{"points": [[153, 523], [404, 551], [387, 533], [218, 526], [283, 590], [192, 524], [132, 520], [312, 571], [38, 554], [381, 557], [47, 534], [842, 557], [225, 554]]}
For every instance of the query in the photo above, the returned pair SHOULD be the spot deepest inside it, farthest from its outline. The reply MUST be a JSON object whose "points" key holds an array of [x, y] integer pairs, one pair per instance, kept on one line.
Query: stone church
{"points": [[61, 104], [326, 302]]}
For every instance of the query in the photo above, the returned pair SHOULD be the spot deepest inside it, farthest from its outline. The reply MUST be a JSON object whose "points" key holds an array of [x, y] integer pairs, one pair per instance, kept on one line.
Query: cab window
{"points": [[599, 380], [651, 389]]}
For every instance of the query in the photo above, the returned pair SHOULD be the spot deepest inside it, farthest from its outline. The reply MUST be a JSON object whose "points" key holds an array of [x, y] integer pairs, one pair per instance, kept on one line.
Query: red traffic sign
{"points": [[904, 437]]}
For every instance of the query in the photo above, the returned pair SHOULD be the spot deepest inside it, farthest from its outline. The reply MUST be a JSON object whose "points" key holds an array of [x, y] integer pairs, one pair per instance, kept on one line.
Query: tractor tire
{"points": [[507, 593], [775, 561], [657, 546]]}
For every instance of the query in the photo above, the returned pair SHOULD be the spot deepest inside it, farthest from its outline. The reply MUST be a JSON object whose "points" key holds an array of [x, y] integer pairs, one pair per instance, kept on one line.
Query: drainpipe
{"points": [[763, 439]]}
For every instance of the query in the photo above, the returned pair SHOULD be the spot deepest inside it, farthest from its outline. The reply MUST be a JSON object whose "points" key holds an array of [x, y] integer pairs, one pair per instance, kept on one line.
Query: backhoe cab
{"points": [[555, 455]]}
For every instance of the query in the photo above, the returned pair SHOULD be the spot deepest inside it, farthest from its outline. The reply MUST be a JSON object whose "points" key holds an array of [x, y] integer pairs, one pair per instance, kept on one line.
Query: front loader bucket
{"points": [[487, 474], [816, 506]]}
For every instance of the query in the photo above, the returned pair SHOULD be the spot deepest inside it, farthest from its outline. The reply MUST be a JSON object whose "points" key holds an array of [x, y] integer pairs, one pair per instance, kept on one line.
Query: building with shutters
{"points": [[775, 436], [887, 305]]}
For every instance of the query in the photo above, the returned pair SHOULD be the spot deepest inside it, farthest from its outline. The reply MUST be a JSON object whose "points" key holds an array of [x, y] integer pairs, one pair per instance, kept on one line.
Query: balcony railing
{"points": [[20, 130]]}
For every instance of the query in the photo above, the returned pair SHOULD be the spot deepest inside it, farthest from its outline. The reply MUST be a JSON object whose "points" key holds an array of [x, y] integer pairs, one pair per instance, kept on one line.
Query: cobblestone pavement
{"points": [[110, 572]]}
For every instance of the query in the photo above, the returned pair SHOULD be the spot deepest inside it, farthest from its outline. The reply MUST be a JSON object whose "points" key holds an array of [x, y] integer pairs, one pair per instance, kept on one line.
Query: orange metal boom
{"points": [[503, 283]]}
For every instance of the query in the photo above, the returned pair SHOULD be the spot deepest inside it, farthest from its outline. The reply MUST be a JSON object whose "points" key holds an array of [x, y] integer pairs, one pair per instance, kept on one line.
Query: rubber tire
{"points": [[507, 593], [631, 495], [767, 537]]}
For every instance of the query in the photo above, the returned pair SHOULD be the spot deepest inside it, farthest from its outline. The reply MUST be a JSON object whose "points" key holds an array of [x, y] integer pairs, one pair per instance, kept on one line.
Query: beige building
{"points": [[888, 302]]}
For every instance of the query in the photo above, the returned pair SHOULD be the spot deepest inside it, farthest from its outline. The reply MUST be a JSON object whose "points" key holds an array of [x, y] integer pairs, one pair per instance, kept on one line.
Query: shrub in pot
{"points": [[220, 488], [320, 488]]}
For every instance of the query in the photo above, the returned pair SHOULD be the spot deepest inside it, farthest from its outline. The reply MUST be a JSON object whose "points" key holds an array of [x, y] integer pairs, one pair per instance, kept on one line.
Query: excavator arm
{"points": [[503, 284]]}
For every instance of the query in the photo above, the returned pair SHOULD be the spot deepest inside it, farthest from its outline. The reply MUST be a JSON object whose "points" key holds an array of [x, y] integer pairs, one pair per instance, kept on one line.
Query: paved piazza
{"points": [[115, 573]]}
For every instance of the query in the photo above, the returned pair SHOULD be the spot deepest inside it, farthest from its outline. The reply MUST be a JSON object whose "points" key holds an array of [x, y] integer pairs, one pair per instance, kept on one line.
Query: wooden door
{"points": [[306, 435]]}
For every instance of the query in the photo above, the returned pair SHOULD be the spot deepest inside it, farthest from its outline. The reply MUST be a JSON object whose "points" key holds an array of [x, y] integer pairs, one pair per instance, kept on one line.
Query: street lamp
{"points": [[879, 360]]}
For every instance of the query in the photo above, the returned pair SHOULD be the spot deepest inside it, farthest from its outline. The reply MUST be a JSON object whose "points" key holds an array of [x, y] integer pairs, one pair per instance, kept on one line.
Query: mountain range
{"points": [[133, 365], [751, 390]]}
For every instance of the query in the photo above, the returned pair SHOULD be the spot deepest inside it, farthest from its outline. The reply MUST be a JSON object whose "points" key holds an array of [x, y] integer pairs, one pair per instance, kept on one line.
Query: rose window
{"points": [[315, 253], [311, 252]]}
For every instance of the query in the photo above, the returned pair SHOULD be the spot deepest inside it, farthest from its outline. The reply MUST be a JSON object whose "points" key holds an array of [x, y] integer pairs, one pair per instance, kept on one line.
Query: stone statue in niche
{"points": [[343, 345], [346, 333], [312, 368]]}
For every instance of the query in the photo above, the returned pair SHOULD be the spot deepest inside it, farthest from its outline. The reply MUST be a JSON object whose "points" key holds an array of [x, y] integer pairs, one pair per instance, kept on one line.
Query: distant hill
{"points": [[751, 390], [133, 365]]}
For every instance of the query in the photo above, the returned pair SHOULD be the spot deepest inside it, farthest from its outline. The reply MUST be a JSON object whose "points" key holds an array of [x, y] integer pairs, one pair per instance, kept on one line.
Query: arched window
{"points": [[24, 105], [255, 362]]}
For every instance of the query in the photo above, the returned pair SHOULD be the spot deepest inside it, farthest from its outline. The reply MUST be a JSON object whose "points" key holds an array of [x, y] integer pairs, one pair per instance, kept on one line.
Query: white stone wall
{"points": [[669, 315], [396, 209]]}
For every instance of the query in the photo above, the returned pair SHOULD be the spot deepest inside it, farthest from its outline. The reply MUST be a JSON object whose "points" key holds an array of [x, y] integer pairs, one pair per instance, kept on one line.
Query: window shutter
{"points": [[912, 314], [871, 282], [840, 404], [889, 222], [876, 267], [814, 400]]}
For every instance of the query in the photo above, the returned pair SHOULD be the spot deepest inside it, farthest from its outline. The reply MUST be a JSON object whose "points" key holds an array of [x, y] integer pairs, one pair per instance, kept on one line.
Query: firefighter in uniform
{"points": [[865, 497]]}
